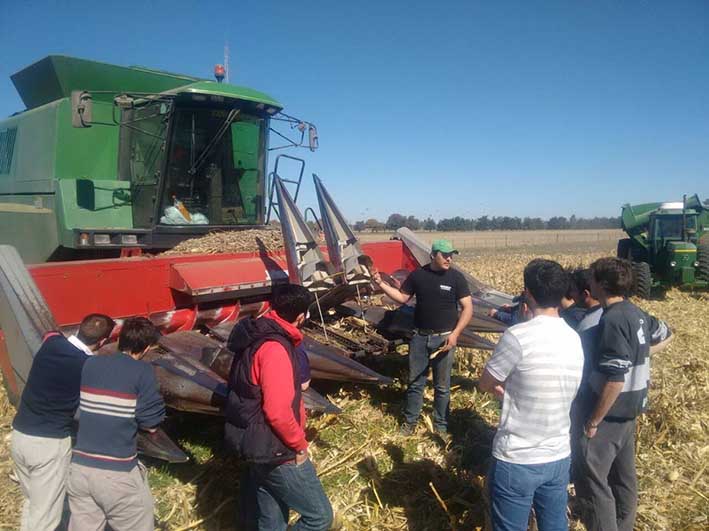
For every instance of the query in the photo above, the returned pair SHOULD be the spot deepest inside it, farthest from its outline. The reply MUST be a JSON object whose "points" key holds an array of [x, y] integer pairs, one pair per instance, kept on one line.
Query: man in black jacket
{"points": [[618, 381], [41, 434], [265, 419]]}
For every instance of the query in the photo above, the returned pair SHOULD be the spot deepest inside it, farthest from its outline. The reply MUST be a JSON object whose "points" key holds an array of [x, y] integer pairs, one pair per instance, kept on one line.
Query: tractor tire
{"points": [[642, 283], [702, 272], [624, 249]]}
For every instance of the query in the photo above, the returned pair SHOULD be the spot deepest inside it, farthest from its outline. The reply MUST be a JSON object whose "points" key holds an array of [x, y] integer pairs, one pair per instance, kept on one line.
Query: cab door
{"points": [[142, 156]]}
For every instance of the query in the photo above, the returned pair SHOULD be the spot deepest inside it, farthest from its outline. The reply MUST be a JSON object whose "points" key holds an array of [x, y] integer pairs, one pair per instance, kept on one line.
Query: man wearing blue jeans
{"points": [[439, 290], [536, 371], [265, 419]]}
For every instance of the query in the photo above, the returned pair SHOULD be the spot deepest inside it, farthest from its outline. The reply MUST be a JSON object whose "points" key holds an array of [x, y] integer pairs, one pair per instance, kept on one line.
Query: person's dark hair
{"points": [[137, 334], [571, 288], [290, 300], [547, 281], [94, 328], [582, 279], [614, 275]]}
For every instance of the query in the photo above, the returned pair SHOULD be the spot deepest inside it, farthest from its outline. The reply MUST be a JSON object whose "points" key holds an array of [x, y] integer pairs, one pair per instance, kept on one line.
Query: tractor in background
{"points": [[667, 244]]}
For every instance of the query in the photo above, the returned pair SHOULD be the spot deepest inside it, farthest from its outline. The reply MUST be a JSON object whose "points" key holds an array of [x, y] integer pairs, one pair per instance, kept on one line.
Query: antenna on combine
{"points": [[226, 60]]}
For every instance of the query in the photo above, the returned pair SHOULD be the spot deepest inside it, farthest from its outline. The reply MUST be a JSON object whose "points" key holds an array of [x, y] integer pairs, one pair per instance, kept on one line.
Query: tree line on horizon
{"points": [[484, 223]]}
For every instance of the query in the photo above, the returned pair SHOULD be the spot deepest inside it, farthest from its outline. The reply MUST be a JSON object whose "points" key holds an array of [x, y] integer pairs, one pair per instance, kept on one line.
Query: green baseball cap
{"points": [[443, 246]]}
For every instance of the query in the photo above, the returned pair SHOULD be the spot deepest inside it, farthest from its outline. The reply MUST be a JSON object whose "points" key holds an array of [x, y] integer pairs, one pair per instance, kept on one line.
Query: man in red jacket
{"points": [[265, 419]]}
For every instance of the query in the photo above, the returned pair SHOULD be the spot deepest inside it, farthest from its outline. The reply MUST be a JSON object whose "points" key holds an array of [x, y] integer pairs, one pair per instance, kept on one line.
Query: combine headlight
{"points": [[696, 264], [83, 239], [129, 239], [673, 264], [102, 239]]}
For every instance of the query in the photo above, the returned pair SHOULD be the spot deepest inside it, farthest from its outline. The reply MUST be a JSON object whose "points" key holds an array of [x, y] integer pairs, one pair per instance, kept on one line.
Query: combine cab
{"points": [[107, 158], [667, 244]]}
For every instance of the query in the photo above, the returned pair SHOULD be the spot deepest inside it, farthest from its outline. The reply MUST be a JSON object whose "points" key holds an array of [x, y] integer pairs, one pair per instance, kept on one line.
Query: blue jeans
{"points": [[268, 492], [420, 348], [515, 488]]}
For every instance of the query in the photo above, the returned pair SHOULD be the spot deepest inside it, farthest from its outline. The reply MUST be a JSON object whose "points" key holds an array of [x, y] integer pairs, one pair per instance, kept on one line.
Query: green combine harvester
{"points": [[109, 159], [668, 244]]}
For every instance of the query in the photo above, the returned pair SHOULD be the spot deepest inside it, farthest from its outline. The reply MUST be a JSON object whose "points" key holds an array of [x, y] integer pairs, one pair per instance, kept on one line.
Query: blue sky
{"points": [[434, 108]]}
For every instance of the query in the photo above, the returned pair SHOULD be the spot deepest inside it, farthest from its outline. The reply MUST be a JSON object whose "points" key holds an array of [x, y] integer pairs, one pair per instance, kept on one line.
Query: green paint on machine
{"points": [[668, 244], [157, 157]]}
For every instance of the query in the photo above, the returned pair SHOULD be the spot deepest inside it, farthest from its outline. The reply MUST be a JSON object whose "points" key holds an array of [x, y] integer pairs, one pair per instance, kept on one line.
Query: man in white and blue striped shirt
{"points": [[536, 370], [119, 396]]}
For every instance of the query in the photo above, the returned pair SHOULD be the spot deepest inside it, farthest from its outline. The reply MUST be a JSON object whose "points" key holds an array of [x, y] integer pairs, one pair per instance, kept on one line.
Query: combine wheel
{"points": [[703, 259], [624, 249], [643, 280]]}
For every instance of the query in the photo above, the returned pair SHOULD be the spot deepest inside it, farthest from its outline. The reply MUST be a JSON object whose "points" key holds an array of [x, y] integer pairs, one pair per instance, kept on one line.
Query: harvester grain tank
{"points": [[667, 243]]}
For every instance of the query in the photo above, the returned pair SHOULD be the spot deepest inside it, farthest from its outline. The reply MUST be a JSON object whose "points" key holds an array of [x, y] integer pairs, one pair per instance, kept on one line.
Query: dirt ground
{"points": [[377, 479]]}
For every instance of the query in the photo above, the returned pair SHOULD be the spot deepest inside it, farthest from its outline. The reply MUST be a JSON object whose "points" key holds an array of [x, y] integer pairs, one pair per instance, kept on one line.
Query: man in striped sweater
{"points": [[536, 371], [119, 395]]}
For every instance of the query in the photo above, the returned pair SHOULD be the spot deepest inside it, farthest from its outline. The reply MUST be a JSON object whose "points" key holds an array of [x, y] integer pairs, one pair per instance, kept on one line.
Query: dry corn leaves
{"points": [[378, 479]]}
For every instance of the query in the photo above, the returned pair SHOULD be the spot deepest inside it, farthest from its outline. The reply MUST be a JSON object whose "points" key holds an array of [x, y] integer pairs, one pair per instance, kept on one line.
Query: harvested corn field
{"points": [[378, 479]]}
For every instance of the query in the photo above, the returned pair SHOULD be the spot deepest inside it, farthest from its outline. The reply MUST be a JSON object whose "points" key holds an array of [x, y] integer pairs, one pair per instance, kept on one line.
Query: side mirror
{"points": [[81, 108], [85, 194], [313, 141]]}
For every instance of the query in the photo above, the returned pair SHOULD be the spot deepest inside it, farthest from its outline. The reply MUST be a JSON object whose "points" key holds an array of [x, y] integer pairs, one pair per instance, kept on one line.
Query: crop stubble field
{"points": [[377, 479], [485, 241]]}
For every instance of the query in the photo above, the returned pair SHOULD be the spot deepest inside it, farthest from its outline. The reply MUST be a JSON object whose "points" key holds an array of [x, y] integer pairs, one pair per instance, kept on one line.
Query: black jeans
{"points": [[605, 477], [268, 492]]}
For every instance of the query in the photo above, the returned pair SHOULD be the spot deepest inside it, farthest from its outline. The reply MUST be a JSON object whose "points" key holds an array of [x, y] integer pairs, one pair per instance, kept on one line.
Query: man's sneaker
{"points": [[407, 429]]}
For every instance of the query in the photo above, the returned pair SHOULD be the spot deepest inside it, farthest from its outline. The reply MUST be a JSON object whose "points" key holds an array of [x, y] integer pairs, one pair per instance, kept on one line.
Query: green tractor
{"points": [[668, 244], [109, 159]]}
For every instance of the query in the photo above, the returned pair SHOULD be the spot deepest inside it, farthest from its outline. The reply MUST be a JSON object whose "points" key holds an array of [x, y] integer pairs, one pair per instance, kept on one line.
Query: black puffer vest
{"points": [[246, 431]]}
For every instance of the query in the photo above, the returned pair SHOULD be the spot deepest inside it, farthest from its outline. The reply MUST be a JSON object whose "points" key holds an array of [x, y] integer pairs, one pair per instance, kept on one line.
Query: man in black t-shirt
{"points": [[439, 290]]}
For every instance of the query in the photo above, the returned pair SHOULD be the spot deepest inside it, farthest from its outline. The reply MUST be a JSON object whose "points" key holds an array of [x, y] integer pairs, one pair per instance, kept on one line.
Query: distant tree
{"points": [[412, 223], [374, 225], [533, 224], [455, 224], [558, 223], [429, 224], [573, 221], [359, 226], [596, 223], [508, 223], [395, 221], [483, 223]]}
